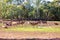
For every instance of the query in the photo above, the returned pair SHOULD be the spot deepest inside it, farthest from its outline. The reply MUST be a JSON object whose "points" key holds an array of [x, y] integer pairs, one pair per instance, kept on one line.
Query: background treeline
{"points": [[30, 9]]}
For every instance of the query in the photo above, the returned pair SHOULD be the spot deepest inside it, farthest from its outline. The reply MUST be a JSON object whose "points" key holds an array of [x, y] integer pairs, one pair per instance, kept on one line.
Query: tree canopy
{"points": [[30, 9]]}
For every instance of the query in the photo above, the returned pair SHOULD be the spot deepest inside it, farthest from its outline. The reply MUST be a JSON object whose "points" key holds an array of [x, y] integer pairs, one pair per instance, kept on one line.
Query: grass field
{"points": [[31, 28]]}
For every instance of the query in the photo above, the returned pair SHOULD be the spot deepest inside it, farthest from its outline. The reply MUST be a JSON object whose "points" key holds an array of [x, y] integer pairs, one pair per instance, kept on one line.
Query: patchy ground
{"points": [[22, 35], [42, 33], [30, 34]]}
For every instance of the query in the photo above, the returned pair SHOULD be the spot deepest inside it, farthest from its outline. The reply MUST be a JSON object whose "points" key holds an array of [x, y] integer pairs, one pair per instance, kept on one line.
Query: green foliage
{"points": [[30, 9]]}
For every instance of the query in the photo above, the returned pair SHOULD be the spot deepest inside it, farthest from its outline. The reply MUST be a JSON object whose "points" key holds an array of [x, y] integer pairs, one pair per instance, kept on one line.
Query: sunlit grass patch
{"points": [[32, 29]]}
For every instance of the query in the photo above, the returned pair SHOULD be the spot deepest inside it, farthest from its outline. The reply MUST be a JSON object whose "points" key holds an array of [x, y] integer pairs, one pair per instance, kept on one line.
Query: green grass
{"points": [[31, 29], [1, 24]]}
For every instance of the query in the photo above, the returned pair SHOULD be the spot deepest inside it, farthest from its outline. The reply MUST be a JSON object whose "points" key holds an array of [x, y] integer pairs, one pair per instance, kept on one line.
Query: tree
{"points": [[37, 6]]}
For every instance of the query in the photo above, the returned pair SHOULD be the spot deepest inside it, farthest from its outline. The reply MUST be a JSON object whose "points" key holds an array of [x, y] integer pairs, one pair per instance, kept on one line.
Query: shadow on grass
{"points": [[31, 39]]}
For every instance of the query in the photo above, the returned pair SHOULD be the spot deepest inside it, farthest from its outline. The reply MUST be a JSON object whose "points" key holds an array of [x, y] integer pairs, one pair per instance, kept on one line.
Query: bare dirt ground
{"points": [[40, 35], [23, 35]]}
